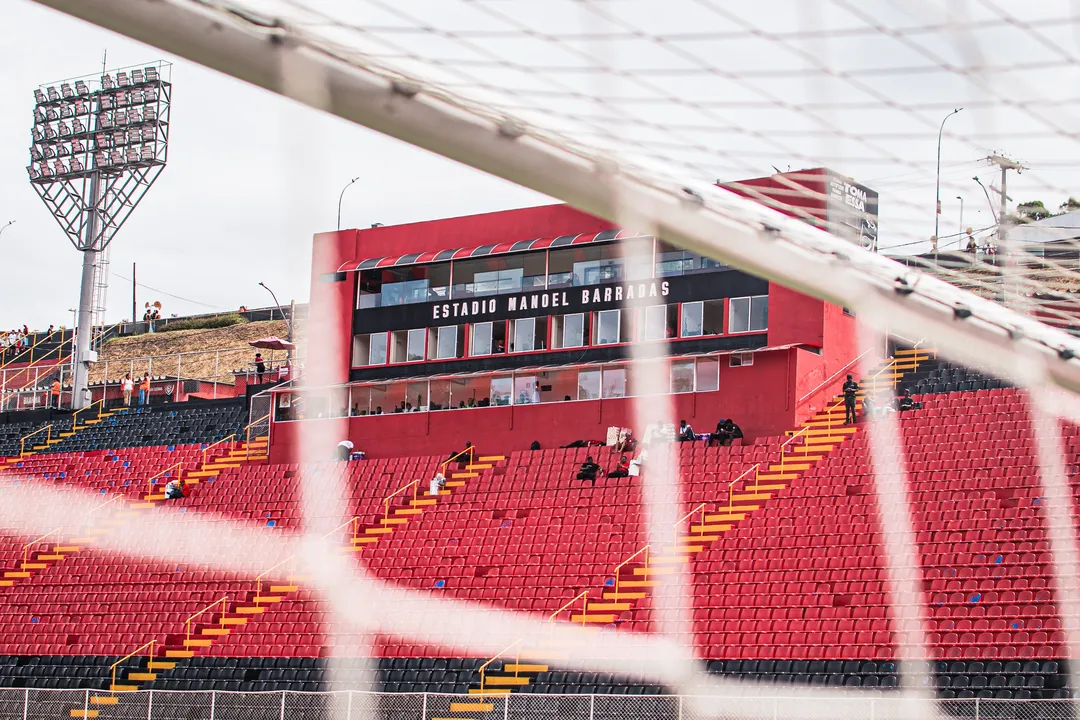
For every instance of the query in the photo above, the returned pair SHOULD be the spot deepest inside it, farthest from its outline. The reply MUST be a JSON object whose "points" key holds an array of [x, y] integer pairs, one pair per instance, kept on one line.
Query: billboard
{"points": [[852, 210]]}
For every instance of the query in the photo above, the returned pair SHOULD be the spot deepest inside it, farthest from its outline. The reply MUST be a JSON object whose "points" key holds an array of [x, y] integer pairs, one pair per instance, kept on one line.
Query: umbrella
{"points": [[272, 343]]}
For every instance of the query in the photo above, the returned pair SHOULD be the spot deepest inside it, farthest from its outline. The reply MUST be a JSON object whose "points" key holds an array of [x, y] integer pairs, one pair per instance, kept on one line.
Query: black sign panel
{"points": [[561, 301]]}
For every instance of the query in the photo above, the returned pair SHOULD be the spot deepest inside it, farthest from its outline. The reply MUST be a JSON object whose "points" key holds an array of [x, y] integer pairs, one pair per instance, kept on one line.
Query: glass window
{"points": [[377, 348], [672, 260], [748, 314], [524, 335], [416, 345], [501, 389], [585, 265], [614, 382], [606, 328], [573, 330], [708, 375], [447, 342], [656, 322], [439, 395], [526, 390], [682, 376], [692, 314], [499, 274], [481, 339], [384, 287], [588, 385]]}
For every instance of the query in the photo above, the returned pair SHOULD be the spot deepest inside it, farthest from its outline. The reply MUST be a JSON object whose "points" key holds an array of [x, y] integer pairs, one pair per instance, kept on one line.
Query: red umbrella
{"points": [[272, 343]]}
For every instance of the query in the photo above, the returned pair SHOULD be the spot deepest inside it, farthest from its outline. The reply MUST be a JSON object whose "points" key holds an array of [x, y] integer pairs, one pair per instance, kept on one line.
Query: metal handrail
{"points": [[783, 453], [354, 521], [32, 347], [691, 514], [415, 485], [584, 606], [832, 377], [471, 450], [231, 439], [27, 546], [620, 566], [223, 601], [731, 485], [176, 466], [24, 438], [132, 654], [247, 435], [264, 573], [75, 415], [484, 667]]}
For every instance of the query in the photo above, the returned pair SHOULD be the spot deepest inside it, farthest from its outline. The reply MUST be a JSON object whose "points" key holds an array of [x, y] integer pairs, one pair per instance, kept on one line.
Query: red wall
{"points": [[758, 398]]}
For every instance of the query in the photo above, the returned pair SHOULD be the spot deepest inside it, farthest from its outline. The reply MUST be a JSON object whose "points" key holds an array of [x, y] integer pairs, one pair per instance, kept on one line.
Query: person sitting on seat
{"points": [[686, 432], [464, 456], [174, 489], [437, 484], [588, 471], [622, 469], [624, 441], [344, 450], [733, 431], [905, 402], [721, 436]]}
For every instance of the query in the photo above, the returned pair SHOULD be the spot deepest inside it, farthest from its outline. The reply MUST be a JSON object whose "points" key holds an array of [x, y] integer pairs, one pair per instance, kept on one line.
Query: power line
{"points": [[168, 294]]}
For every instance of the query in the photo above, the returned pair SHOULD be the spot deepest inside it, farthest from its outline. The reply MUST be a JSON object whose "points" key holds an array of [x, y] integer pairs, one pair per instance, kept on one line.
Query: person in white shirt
{"points": [[437, 484], [174, 490], [127, 386], [344, 449]]}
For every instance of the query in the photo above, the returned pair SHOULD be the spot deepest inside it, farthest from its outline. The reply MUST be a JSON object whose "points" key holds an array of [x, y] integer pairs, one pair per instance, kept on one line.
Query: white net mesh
{"points": [[633, 111]]}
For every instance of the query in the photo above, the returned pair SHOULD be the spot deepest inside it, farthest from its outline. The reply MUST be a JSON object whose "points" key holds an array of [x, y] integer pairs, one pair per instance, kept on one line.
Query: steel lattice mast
{"points": [[99, 143]]}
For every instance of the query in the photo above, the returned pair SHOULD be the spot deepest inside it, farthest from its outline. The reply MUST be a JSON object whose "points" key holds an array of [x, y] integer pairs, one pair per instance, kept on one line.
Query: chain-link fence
{"points": [[30, 704]]}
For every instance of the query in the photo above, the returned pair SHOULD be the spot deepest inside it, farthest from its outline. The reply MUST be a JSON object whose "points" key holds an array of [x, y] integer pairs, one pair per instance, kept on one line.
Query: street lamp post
{"points": [[961, 216], [937, 187], [8, 224], [349, 185], [288, 325]]}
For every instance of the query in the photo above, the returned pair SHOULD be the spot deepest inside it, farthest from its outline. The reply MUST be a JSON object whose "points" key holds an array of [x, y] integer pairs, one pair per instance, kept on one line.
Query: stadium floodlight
{"points": [[90, 180]]}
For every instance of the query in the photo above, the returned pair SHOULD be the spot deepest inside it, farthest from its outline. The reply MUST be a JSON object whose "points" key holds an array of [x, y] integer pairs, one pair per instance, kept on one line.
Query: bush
{"points": [[203, 323]]}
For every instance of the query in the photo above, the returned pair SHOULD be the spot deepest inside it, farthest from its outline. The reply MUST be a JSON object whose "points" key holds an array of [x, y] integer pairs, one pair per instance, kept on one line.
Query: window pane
{"points": [[501, 387], [526, 390], [481, 339], [708, 375], [377, 354], [614, 382], [525, 335], [691, 319], [607, 327], [656, 322], [588, 385], [447, 342], [739, 315], [682, 376], [573, 330], [416, 345], [759, 312]]}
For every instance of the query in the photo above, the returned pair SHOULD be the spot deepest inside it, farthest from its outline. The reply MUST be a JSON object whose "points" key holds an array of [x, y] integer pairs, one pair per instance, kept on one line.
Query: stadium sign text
{"points": [[570, 299]]}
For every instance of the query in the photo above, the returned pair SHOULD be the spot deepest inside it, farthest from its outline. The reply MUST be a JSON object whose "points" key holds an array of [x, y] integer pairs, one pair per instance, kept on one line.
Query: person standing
{"points": [[126, 387], [144, 389], [54, 393], [850, 389], [260, 366]]}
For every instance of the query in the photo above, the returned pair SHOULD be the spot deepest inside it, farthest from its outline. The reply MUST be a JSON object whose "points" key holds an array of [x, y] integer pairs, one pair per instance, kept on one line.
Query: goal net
{"points": [[646, 114]]}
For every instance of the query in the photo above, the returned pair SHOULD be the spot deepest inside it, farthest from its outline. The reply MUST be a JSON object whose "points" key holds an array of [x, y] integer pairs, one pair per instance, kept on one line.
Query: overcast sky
{"points": [[715, 90]]}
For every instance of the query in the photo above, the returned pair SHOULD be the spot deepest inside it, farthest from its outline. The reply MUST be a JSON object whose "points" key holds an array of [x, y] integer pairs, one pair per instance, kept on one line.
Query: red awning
{"points": [[483, 250]]}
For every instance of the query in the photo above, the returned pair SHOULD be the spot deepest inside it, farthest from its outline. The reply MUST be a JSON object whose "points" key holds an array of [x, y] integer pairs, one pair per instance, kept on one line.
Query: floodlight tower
{"points": [[99, 143]]}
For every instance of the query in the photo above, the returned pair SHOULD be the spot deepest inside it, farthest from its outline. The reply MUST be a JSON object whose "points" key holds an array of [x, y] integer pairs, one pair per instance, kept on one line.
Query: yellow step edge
{"points": [[378, 530], [50, 557], [67, 548], [751, 496], [524, 667], [636, 583], [7, 583], [81, 713], [787, 467], [143, 676], [710, 529], [695, 539], [365, 540], [507, 679], [623, 595], [104, 700], [469, 707], [684, 549], [249, 610], [479, 466], [487, 692], [210, 632], [646, 571], [725, 517], [668, 559], [284, 588], [616, 606], [602, 619], [196, 642], [234, 621], [394, 521], [129, 688], [16, 574], [452, 483], [409, 511], [267, 599], [425, 501], [160, 665], [767, 488], [34, 566], [765, 477], [456, 476], [491, 458], [179, 654]]}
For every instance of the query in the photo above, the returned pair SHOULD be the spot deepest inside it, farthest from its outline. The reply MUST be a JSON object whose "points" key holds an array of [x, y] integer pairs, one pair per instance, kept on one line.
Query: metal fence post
{"points": [[26, 703], [506, 707], [348, 707], [213, 703], [976, 708], [423, 705], [592, 706], [680, 707], [150, 705], [86, 703], [775, 708], [282, 716]]}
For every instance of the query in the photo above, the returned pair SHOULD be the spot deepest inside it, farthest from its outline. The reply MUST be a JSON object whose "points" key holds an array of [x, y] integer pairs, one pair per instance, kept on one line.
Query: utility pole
{"points": [[1005, 258]]}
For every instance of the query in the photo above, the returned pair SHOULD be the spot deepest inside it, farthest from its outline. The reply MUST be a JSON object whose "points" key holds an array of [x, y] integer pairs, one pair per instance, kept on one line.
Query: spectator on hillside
{"points": [[260, 367], [127, 387], [850, 389], [588, 470], [686, 432], [144, 389], [622, 469], [344, 449], [437, 484], [174, 489]]}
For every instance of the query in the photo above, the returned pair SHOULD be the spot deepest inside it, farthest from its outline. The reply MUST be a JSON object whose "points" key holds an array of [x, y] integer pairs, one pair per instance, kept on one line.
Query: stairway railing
{"points": [[583, 596], [484, 667], [133, 653], [223, 602]]}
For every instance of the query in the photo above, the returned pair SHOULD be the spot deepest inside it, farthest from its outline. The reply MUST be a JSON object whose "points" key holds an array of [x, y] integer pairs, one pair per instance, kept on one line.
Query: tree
{"points": [[1032, 210], [1070, 205]]}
